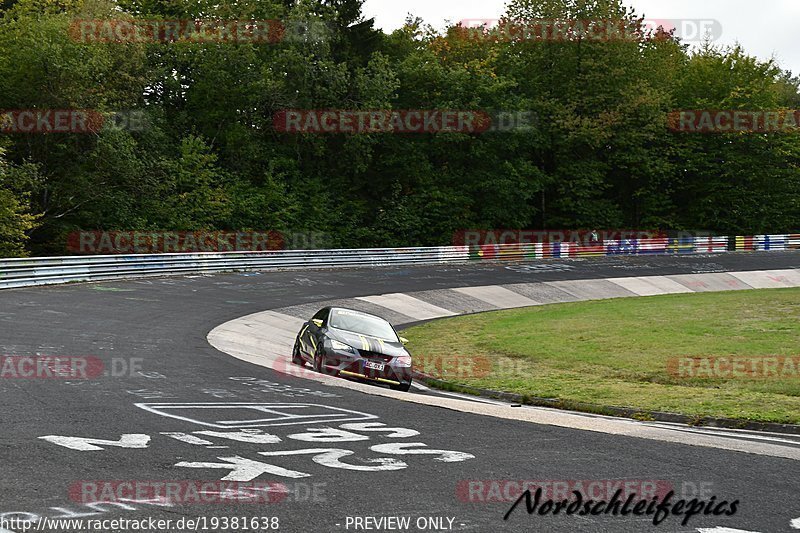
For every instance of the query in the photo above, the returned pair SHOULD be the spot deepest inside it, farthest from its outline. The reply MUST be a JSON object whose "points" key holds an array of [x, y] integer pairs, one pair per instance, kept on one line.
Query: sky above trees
{"points": [[763, 28]]}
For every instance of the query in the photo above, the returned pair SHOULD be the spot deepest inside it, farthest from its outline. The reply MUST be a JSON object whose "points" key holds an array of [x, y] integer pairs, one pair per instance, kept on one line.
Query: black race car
{"points": [[354, 344]]}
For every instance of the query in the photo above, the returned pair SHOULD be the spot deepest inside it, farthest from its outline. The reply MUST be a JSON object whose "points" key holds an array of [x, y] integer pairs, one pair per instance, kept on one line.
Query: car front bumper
{"points": [[352, 365]]}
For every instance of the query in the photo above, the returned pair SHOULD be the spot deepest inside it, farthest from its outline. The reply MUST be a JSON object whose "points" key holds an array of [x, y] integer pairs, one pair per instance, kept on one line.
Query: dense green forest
{"points": [[600, 155]]}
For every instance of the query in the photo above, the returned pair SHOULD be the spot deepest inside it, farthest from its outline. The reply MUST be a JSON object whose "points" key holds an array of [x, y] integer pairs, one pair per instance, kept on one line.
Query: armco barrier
{"points": [[769, 242], [55, 270], [656, 246]]}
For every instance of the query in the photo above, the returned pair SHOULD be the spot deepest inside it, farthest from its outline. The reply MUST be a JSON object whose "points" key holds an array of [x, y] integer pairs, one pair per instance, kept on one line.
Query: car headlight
{"points": [[342, 347]]}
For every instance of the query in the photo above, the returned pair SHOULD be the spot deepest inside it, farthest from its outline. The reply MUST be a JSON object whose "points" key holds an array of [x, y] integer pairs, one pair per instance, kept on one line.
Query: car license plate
{"points": [[374, 366]]}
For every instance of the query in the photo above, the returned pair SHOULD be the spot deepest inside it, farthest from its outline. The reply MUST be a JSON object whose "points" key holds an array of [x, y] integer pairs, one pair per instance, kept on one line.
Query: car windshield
{"points": [[363, 324]]}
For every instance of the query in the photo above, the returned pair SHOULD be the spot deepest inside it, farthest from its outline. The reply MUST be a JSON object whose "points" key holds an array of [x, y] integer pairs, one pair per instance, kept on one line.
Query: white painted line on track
{"points": [[723, 530], [478, 399], [723, 433]]}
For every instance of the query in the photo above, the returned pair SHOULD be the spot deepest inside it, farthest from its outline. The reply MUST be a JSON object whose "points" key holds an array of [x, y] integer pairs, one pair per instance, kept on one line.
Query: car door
{"points": [[313, 332]]}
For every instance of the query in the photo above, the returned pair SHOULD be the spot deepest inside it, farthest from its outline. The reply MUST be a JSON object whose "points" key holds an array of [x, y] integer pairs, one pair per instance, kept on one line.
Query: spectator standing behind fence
{"points": [[594, 238]]}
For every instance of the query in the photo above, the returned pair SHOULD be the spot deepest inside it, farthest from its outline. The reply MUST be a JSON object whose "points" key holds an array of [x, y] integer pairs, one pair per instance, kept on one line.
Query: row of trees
{"points": [[601, 154]]}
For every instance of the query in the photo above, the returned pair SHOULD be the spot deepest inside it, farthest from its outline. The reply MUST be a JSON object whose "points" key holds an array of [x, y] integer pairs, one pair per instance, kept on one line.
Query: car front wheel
{"points": [[296, 357], [319, 361]]}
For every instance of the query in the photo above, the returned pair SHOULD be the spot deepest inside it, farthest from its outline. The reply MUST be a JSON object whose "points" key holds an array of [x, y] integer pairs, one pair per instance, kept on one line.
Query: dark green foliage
{"points": [[600, 155]]}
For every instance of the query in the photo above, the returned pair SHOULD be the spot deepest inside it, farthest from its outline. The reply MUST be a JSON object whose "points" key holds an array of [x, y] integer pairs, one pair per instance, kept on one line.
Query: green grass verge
{"points": [[616, 352]]}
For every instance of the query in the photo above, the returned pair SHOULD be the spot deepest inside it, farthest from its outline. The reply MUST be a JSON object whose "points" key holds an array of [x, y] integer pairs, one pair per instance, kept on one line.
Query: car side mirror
{"points": [[403, 340], [318, 322]]}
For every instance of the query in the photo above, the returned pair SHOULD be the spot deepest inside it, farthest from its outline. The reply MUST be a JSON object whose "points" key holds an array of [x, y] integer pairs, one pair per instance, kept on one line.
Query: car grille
{"points": [[375, 356]]}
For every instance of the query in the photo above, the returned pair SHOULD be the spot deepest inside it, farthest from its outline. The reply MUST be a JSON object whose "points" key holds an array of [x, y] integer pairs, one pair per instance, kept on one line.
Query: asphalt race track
{"points": [[172, 408]]}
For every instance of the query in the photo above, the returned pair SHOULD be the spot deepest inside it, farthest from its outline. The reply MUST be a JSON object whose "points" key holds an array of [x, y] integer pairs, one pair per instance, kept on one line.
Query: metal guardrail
{"points": [[26, 272]]}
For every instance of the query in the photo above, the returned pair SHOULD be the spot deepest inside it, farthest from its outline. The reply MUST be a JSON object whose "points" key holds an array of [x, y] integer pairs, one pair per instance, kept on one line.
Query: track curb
{"points": [[622, 412]]}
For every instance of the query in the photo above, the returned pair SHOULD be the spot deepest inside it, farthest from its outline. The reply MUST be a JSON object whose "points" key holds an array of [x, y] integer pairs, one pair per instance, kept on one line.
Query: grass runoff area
{"points": [[727, 354]]}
